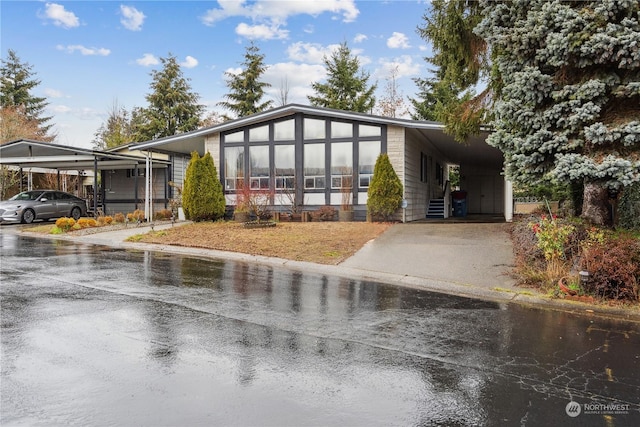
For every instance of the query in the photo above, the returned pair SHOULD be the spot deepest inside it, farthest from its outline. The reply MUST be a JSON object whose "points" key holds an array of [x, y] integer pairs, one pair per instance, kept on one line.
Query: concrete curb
{"points": [[116, 239]]}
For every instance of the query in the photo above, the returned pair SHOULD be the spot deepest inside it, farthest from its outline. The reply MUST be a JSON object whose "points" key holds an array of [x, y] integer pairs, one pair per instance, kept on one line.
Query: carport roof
{"points": [[26, 153], [474, 152]]}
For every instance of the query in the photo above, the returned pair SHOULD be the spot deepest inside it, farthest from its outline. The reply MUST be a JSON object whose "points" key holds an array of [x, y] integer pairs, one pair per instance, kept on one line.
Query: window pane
{"points": [[314, 165], [259, 161], [284, 131], [233, 166], [341, 130], [314, 129], [368, 154], [285, 164], [259, 134], [366, 130], [341, 158], [234, 137]]}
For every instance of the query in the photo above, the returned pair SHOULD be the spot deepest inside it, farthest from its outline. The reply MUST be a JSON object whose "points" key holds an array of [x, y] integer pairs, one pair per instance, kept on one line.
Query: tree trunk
{"points": [[595, 205]]}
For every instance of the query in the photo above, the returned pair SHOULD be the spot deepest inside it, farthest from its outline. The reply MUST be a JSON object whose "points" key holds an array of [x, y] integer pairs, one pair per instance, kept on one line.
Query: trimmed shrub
{"points": [[324, 213], [385, 190], [137, 215], [202, 195], [119, 217], [104, 220]]}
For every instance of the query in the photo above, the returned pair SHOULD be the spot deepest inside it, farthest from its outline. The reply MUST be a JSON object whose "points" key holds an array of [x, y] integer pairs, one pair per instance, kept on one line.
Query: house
{"points": [[307, 156]]}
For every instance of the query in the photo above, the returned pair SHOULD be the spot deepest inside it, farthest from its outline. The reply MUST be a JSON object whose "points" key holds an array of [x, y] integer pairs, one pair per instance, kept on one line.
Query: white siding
{"points": [[212, 145]]}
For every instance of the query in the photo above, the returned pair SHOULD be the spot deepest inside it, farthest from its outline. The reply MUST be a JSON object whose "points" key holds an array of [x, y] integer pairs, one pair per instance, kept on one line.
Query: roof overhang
{"points": [[474, 152], [31, 154]]}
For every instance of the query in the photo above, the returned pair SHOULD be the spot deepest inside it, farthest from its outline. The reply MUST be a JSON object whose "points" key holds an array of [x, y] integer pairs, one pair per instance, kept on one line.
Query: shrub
{"points": [[613, 264], [135, 216], [65, 223], [324, 213], [87, 222], [385, 190], [163, 214], [104, 220], [119, 217], [202, 195]]}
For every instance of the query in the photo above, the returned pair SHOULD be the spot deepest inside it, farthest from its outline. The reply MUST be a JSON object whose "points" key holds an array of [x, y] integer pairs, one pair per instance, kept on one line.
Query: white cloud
{"points": [[189, 62], [132, 19], [60, 16], [359, 38], [261, 31], [53, 93], [404, 65], [60, 109], [87, 51], [310, 52], [295, 78], [269, 17], [398, 41], [235, 71], [147, 60]]}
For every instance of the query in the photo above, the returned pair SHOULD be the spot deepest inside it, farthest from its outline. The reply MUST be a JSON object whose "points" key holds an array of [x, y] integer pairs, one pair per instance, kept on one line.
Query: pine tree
{"points": [[459, 59], [346, 87], [246, 89], [17, 81], [173, 108], [202, 195], [385, 193]]}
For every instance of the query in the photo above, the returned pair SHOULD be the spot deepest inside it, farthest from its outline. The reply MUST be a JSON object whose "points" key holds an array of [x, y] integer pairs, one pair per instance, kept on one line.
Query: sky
{"points": [[90, 56]]}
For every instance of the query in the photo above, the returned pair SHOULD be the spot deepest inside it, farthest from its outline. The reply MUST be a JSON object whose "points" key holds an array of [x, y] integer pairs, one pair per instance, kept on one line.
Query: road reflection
{"points": [[195, 341]]}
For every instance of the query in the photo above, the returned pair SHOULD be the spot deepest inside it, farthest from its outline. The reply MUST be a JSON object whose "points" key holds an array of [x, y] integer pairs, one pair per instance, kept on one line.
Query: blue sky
{"points": [[90, 55]]}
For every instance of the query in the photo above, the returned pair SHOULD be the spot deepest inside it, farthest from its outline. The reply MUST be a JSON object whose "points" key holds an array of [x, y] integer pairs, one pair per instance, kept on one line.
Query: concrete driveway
{"points": [[478, 254]]}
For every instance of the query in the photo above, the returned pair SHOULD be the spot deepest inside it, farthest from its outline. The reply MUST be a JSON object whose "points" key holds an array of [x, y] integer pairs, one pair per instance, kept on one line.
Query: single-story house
{"points": [[308, 155]]}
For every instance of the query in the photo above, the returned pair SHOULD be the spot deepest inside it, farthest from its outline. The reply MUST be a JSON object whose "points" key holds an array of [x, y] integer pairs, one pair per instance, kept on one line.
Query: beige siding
{"points": [[212, 145]]}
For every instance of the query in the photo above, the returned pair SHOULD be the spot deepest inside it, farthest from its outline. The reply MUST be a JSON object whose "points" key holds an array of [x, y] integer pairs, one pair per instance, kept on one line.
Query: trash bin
{"points": [[459, 199]]}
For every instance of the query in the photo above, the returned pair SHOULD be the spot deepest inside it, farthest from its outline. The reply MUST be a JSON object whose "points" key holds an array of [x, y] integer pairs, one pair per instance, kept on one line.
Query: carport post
{"points": [[95, 186]]}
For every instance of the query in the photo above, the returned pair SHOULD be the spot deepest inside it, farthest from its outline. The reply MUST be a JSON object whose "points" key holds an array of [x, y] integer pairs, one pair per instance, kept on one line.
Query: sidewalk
{"points": [[470, 260]]}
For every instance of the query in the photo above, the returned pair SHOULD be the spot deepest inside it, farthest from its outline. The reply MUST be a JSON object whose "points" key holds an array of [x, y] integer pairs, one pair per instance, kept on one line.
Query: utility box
{"points": [[459, 203]]}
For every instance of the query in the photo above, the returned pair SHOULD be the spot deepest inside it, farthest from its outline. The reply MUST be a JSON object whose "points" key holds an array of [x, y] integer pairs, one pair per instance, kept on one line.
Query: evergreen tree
{"points": [[116, 131], [459, 60], [246, 89], [173, 108], [565, 81], [16, 84], [346, 87], [202, 195], [385, 193]]}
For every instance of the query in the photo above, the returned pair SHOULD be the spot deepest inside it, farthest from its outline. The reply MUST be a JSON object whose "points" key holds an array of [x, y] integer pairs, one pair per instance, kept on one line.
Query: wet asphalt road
{"points": [[98, 336]]}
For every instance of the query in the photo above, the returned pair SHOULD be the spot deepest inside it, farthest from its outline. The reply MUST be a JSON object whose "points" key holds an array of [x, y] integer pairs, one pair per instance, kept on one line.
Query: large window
{"points": [[341, 164], [259, 134], [234, 137], [285, 166], [259, 167], [233, 167], [314, 166], [368, 152]]}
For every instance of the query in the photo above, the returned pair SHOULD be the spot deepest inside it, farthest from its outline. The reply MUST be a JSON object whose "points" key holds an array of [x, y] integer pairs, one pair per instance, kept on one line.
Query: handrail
{"points": [[447, 199]]}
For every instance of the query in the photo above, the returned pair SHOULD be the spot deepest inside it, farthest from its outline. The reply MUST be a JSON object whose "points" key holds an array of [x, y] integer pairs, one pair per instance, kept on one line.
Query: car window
{"points": [[62, 196], [27, 195], [49, 196]]}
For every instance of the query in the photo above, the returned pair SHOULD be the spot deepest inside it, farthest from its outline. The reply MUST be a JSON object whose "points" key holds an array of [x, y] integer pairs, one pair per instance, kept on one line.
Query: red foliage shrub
{"points": [[614, 268]]}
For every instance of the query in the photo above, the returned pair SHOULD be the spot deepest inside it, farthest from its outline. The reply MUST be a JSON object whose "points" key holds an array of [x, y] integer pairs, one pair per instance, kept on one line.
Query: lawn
{"points": [[318, 242]]}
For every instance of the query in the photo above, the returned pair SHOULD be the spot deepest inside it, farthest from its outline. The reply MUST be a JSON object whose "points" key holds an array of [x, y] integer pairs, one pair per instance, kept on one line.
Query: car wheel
{"points": [[75, 213], [28, 216]]}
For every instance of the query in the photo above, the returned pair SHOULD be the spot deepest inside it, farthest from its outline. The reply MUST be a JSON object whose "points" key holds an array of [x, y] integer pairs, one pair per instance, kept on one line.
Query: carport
{"points": [[28, 155]]}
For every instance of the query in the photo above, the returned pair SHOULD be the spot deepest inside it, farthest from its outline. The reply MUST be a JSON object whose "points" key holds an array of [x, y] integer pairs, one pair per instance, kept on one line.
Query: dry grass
{"points": [[319, 242]]}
